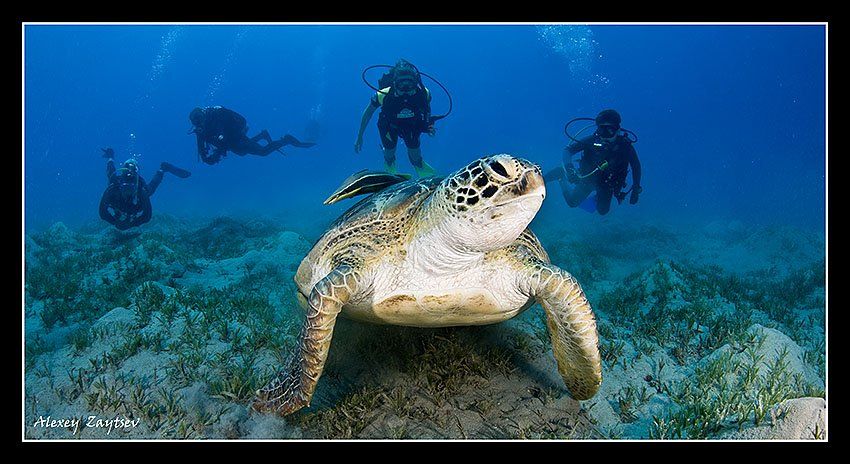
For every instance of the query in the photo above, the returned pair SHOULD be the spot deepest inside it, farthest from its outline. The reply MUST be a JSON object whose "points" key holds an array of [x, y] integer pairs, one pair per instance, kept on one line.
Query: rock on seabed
{"points": [[795, 419]]}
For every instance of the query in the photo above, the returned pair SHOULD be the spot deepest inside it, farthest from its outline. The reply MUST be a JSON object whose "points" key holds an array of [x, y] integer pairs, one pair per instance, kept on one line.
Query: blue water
{"points": [[730, 119]]}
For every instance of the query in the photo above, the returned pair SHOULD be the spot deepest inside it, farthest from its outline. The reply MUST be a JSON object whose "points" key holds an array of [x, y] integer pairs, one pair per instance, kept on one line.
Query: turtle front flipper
{"points": [[572, 328], [293, 387]]}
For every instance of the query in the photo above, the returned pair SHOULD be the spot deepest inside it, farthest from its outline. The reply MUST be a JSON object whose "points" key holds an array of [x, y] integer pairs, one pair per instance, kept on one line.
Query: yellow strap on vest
{"points": [[380, 95]]}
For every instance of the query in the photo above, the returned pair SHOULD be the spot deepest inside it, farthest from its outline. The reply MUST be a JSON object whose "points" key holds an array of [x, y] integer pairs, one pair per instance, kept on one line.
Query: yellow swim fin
{"points": [[425, 171]]}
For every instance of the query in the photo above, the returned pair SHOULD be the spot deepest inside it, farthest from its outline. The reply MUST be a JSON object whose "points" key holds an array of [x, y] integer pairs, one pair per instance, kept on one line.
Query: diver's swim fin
{"points": [[390, 168], [589, 203], [290, 140], [170, 168], [425, 171]]}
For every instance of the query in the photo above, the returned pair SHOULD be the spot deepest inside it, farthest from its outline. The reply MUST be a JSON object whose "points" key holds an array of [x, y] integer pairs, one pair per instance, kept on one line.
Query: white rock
{"points": [[795, 419]]}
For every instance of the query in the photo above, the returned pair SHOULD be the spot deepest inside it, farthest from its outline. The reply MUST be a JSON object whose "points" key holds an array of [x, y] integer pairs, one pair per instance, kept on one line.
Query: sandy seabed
{"points": [[709, 331]]}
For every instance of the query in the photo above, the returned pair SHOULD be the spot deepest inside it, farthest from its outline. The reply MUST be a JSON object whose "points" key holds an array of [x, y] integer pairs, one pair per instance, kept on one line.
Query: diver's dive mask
{"points": [[405, 86], [128, 178], [607, 132], [196, 117]]}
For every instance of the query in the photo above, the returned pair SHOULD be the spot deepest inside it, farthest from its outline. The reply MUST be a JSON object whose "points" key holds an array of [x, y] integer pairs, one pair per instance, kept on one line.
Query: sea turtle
{"points": [[438, 252]]}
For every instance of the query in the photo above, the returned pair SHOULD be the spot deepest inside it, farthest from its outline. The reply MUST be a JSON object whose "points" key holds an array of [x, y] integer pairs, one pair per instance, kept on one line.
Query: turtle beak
{"points": [[532, 181]]}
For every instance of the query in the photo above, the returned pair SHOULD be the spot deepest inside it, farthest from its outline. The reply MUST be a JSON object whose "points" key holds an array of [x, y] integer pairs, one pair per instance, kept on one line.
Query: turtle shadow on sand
{"points": [[386, 381]]}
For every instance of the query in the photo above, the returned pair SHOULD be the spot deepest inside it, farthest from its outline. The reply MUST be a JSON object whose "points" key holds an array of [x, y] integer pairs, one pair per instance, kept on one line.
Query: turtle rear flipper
{"points": [[293, 387], [363, 182]]}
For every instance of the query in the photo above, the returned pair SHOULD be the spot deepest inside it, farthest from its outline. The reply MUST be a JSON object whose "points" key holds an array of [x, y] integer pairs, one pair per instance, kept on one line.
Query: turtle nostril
{"points": [[498, 168]]}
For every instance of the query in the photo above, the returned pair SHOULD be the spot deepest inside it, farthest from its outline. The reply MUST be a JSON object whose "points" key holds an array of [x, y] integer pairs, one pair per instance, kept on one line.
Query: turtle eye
{"points": [[498, 168]]}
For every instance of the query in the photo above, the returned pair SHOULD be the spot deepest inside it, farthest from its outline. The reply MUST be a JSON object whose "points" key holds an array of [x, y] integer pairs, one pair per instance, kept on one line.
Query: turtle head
{"points": [[492, 200]]}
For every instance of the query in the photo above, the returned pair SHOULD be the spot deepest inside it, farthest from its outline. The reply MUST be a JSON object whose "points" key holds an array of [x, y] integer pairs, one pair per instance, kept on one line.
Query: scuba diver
{"points": [[126, 202], [405, 105], [227, 130], [608, 154]]}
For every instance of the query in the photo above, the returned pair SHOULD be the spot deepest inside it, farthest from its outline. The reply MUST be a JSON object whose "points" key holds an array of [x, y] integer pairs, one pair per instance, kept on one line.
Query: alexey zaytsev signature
{"points": [[116, 423]]}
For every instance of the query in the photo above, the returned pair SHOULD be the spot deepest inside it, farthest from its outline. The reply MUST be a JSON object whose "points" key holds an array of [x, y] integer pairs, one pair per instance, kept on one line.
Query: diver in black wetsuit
{"points": [[126, 202], [405, 111], [608, 154], [227, 130]]}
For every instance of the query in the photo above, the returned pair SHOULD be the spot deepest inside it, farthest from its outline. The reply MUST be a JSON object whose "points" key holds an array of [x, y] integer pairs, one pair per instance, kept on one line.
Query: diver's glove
{"points": [[358, 144], [215, 157], [636, 190], [108, 153]]}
